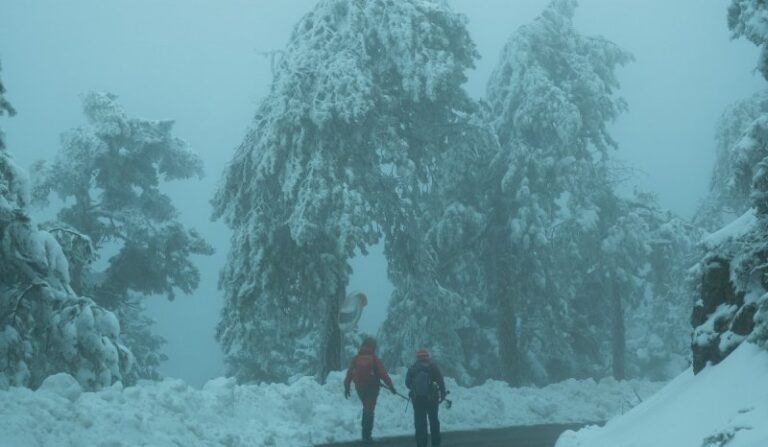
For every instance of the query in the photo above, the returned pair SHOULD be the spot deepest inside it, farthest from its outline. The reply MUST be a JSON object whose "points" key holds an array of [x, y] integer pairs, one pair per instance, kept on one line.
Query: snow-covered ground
{"points": [[171, 413], [724, 405]]}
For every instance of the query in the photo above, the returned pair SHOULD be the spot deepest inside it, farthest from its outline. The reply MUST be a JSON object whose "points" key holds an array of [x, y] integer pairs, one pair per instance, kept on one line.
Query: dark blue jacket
{"points": [[435, 376]]}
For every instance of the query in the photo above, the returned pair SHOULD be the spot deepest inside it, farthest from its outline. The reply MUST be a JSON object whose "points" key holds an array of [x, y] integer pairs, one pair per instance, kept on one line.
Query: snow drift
{"points": [[171, 413], [724, 405]]}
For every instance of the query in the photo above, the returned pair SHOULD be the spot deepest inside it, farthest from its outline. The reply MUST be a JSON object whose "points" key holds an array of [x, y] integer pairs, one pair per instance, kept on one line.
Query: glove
{"points": [[346, 393]]}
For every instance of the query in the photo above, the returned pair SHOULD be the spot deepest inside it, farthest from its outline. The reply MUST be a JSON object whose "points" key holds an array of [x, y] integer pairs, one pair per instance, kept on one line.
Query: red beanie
{"points": [[422, 354]]}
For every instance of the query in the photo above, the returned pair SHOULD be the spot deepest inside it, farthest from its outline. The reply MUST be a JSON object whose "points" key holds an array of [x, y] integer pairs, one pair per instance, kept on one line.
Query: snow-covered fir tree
{"points": [[339, 154], [45, 327], [569, 253], [108, 174]]}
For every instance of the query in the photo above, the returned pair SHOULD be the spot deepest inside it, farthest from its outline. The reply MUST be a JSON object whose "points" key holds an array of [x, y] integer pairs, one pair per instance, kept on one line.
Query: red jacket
{"points": [[367, 356]]}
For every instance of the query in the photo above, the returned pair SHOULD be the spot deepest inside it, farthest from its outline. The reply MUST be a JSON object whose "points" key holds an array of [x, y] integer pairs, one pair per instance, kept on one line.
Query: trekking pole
{"points": [[395, 393], [403, 397]]}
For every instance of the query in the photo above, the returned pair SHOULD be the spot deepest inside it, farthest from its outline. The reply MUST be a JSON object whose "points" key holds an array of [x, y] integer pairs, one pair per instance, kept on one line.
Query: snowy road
{"points": [[531, 436]]}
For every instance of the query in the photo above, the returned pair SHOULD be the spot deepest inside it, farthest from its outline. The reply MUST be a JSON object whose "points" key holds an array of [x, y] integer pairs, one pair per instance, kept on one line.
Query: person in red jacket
{"points": [[367, 372]]}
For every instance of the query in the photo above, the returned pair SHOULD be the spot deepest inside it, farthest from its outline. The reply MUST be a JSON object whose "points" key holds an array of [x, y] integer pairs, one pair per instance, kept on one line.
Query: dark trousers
{"points": [[426, 408], [368, 396]]}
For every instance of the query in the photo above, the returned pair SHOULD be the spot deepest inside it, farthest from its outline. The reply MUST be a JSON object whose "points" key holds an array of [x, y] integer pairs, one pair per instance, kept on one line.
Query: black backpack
{"points": [[422, 380]]}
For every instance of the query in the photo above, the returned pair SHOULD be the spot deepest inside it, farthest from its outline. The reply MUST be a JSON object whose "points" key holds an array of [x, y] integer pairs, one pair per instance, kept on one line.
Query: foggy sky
{"points": [[198, 62]]}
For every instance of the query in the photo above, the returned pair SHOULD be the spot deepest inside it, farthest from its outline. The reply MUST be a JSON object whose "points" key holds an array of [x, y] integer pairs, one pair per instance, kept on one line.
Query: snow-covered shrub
{"points": [[731, 284], [759, 334], [45, 328]]}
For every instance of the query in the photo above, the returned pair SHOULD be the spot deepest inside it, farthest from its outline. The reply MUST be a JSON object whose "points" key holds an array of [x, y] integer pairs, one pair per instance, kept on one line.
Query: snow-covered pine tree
{"points": [[729, 186], [339, 153], [45, 328], [552, 95], [649, 252], [747, 18], [441, 298], [732, 276], [108, 174], [631, 279]]}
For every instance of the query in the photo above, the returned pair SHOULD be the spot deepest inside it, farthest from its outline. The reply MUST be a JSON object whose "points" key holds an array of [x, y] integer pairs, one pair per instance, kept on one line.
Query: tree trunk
{"points": [[331, 360], [510, 356], [619, 336], [503, 294]]}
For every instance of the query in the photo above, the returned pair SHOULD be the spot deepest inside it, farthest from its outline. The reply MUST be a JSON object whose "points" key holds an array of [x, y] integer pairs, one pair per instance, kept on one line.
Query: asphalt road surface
{"points": [[530, 436]]}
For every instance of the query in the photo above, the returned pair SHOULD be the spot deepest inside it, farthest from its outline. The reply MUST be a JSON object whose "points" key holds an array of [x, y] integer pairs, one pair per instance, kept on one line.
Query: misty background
{"points": [[200, 63]]}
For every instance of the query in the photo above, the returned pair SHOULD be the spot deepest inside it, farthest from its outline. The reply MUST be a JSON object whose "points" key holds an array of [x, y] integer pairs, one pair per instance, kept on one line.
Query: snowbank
{"points": [[171, 413], [734, 230], [723, 405]]}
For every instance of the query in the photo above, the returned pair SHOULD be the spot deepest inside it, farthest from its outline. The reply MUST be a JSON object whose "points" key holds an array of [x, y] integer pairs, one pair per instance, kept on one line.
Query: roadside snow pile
{"points": [[724, 405], [171, 413]]}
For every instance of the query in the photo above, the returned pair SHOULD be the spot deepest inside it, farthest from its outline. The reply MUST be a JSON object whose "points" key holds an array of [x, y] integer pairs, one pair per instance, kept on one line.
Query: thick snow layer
{"points": [[733, 230], [62, 385], [723, 405], [171, 413]]}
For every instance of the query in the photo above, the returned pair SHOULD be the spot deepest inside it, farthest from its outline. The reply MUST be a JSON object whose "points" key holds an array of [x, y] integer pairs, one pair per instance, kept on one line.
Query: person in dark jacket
{"points": [[367, 372], [427, 390]]}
